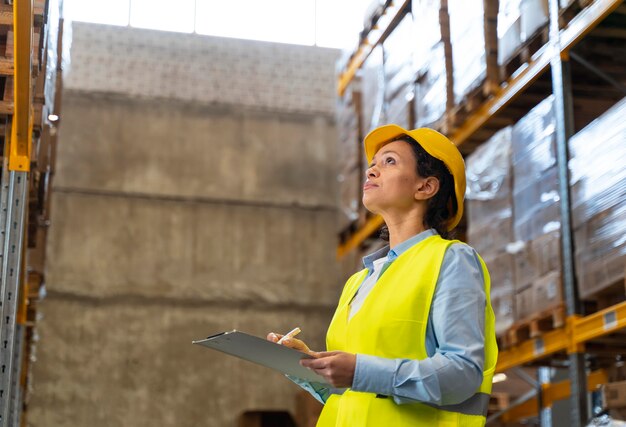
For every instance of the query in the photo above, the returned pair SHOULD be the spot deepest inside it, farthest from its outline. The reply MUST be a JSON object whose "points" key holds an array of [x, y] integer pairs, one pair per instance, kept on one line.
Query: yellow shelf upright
{"points": [[22, 125]]}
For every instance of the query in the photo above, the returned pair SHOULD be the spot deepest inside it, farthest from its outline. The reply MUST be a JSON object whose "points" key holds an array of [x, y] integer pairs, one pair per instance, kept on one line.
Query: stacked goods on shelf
{"points": [[374, 11], [614, 399], [489, 210], [350, 162], [467, 38], [519, 21], [51, 41], [598, 192], [373, 90], [533, 16], [429, 61], [399, 73], [509, 29], [536, 215]]}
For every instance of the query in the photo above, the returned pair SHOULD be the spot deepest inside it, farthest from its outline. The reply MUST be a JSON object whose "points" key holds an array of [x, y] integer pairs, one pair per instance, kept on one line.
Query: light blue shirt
{"points": [[455, 337]]}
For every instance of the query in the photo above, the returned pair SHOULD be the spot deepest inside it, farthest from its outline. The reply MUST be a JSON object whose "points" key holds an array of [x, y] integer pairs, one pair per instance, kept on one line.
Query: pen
{"points": [[295, 331]]}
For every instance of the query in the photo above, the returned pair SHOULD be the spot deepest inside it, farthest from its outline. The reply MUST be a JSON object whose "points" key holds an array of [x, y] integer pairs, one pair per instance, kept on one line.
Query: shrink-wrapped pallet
{"points": [[536, 213], [509, 29], [348, 111], [399, 73], [350, 157], [489, 211], [350, 182], [535, 184], [429, 62], [489, 193], [467, 37], [431, 90], [598, 195], [373, 90]]}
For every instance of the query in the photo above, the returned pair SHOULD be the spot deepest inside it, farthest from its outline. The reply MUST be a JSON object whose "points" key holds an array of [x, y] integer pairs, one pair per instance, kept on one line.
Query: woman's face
{"points": [[392, 180]]}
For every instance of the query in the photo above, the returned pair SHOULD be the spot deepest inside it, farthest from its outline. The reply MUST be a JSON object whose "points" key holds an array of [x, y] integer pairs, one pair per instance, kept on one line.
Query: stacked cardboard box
{"points": [[373, 89], [518, 21], [598, 189], [534, 15], [509, 29], [467, 37], [429, 62], [536, 218], [399, 73], [349, 155], [489, 206]]}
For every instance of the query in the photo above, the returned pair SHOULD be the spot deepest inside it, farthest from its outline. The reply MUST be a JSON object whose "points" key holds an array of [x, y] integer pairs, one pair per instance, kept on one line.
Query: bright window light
{"points": [[339, 22], [163, 14], [112, 12], [498, 378], [283, 21], [326, 23]]}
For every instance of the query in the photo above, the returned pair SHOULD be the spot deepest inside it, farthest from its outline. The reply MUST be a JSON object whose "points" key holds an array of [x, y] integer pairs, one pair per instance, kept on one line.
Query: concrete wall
{"points": [[174, 218]]}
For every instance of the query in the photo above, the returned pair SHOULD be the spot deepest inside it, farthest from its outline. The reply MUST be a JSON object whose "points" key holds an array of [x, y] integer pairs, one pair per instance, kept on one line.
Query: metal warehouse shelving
{"points": [[578, 330], [28, 109]]}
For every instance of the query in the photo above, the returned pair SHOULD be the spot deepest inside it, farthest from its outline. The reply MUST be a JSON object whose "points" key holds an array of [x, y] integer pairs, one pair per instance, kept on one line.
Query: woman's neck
{"points": [[404, 227]]}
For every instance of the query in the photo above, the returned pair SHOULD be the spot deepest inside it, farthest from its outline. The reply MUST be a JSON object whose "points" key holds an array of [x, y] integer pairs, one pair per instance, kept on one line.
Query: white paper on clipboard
{"points": [[262, 352]]}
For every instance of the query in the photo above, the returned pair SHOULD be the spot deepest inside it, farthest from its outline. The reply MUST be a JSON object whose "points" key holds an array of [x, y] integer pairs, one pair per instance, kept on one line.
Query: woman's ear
{"points": [[427, 188]]}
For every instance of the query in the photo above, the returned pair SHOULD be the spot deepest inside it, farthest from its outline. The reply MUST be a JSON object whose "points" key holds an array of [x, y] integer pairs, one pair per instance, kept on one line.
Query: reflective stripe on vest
{"points": [[393, 315], [478, 404]]}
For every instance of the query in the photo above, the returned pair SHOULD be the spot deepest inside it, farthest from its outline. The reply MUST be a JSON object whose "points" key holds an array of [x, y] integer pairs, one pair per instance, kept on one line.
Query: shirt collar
{"points": [[392, 254]]}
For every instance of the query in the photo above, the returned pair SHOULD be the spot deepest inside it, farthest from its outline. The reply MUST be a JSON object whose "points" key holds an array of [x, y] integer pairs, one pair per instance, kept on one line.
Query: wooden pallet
{"points": [[456, 115], [498, 401], [535, 325], [606, 297]]}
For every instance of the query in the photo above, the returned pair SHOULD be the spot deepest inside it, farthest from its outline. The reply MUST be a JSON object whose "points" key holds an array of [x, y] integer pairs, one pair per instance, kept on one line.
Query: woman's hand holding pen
{"points": [[291, 342], [337, 367]]}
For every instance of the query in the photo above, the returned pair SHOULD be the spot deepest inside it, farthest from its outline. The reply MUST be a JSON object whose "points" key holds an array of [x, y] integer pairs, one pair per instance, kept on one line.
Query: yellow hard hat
{"points": [[435, 144]]}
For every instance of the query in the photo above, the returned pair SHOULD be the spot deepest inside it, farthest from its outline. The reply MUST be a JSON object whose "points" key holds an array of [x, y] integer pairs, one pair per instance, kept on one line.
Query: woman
{"points": [[412, 341]]}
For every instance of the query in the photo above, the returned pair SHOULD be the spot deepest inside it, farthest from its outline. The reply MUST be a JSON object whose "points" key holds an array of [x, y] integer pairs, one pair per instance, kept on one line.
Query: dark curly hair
{"points": [[442, 206]]}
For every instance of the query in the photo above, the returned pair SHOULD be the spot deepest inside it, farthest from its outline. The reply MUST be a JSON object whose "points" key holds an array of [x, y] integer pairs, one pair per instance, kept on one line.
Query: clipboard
{"points": [[262, 352]]}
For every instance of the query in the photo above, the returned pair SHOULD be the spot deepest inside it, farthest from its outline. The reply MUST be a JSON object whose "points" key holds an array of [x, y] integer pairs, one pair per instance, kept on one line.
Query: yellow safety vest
{"points": [[393, 315]]}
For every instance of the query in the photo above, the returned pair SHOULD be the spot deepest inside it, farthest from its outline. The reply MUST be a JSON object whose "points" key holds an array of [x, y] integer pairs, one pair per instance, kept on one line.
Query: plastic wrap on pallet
{"points": [[488, 169], [66, 43], [598, 188], [503, 304], [427, 31], [350, 182], [500, 265], [373, 89], [601, 252], [399, 73], [489, 194], [52, 43], [467, 37], [430, 89], [535, 178], [399, 110], [348, 124], [545, 293], [535, 259], [598, 165], [372, 13], [398, 66], [509, 29], [533, 16]]}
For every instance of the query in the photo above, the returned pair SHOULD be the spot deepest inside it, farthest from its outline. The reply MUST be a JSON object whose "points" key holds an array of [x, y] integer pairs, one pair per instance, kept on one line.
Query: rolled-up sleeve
{"points": [[455, 342]]}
